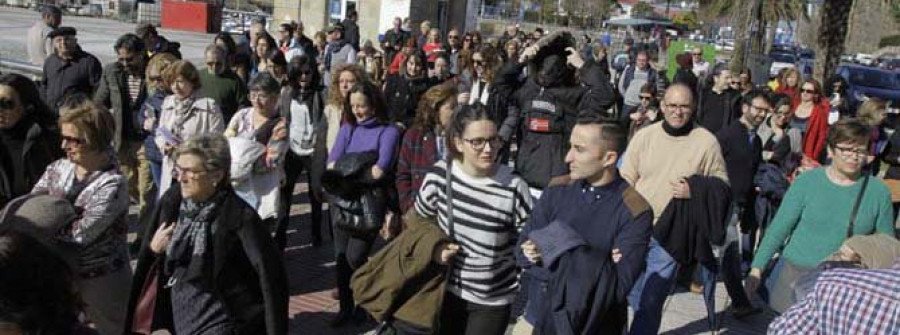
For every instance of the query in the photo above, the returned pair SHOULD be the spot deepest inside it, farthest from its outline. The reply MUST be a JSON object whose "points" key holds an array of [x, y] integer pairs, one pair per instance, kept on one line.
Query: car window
{"points": [[874, 78], [783, 58]]}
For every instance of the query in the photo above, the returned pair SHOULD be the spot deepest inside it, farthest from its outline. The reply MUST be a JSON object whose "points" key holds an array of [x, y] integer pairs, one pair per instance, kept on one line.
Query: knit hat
{"points": [[41, 217]]}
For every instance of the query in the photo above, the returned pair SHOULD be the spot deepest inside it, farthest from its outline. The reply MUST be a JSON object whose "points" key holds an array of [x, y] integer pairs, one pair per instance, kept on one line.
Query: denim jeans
{"points": [[651, 289], [730, 270]]}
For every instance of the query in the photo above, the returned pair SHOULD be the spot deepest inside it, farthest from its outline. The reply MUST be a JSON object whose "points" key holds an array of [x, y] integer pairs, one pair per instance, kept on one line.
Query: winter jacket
{"points": [[248, 272], [40, 148], [113, 94], [688, 228], [402, 94], [418, 153]]}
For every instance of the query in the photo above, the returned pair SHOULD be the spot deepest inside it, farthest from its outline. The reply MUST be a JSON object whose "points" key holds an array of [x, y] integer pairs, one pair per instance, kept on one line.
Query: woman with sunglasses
{"points": [[811, 117], [29, 136], [817, 216], [489, 206], [780, 141], [148, 117], [647, 112], [89, 178], [836, 91]]}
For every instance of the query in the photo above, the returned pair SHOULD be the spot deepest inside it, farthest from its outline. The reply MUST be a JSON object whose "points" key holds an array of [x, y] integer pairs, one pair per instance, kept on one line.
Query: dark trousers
{"points": [[349, 254], [460, 317], [294, 166]]}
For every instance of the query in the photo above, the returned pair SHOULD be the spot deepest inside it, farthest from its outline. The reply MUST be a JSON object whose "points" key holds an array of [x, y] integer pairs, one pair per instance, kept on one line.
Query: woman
{"points": [[482, 282], [440, 71], [265, 46], [373, 61], [303, 104], [261, 124], [184, 115], [476, 39], [403, 90], [782, 144], [433, 45], [718, 104], [150, 112], [226, 42], [647, 112], [216, 268], [511, 51], [409, 47], [347, 76], [365, 129], [744, 82], [873, 113], [811, 117], [320, 41], [89, 179], [276, 65], [836, 91], [816, 214], [467, 42], [423, 144], [28, 136], [242, 66], [789, 84], [36, 295]]}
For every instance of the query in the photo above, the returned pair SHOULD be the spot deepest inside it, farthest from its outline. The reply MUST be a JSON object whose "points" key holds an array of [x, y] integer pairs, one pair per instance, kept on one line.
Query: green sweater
{"points": [[818, 213], [227, 90]]}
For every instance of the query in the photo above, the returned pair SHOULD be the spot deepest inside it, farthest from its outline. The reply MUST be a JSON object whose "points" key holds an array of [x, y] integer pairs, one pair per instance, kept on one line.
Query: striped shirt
{"points": [[488, 213], [847, 301], [134, 87]]}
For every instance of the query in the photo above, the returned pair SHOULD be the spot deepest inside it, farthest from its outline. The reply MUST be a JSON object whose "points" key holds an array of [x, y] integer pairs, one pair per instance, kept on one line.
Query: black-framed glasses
{"points": [[761, 109], [849, 152], [7, 104], [479, 142]]}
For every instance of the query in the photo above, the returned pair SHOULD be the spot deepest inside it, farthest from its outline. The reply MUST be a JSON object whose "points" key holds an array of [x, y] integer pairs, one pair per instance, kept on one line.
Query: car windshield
{"points": [[783, 58], [875, 78]]}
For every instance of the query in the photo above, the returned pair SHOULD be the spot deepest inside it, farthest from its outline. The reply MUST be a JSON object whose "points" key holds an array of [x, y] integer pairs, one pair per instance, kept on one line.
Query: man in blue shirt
{"points": [[595, 213]]}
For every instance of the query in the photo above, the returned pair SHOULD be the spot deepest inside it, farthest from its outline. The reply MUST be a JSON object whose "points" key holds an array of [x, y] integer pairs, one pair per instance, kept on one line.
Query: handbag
{"points": [[790, 285], [142, 321], [361, 217]]}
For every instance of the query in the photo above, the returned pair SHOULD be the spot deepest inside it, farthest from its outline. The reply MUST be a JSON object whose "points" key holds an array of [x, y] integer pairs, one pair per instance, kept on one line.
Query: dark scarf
{"points": [[188, 256], [683, 131], [335, 47]]}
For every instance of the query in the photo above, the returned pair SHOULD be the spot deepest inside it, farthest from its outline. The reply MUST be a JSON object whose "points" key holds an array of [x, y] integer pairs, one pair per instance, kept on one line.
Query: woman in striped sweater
{"points": [[489, 206]]}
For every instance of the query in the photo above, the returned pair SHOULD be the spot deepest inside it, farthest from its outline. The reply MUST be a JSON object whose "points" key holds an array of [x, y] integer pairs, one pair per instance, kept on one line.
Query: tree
{"points": [[689, 19], [642, 9]]}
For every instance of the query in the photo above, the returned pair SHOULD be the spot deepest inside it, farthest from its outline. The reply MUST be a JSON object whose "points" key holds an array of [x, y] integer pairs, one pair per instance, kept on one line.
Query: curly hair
{"points": [[491, 57], [335, 97], [427, 113]]}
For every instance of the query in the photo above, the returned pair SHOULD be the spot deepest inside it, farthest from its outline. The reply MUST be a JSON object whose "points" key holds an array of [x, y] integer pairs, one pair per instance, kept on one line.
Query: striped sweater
{"points": [[488, 213]]}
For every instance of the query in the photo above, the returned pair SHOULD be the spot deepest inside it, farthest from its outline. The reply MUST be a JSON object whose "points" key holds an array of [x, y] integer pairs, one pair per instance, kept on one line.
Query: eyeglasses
{"points": [[212, 64], [452, 37], [72, 140], [850, 152], [478, 143], [187, 173], [155, 79], [808, 91], [696, 54], [761, 109], [478, 62], [646, 97], [7, 104], [735, 83]]}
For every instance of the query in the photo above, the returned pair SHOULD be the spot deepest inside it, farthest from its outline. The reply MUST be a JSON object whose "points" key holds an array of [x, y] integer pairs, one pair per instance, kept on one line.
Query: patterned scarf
{"points": [[188, 254]]}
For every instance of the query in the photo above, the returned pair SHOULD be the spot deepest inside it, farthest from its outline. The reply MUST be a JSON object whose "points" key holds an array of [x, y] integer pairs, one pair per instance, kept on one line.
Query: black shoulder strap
{"points": [[448, 194], [856, 204]]}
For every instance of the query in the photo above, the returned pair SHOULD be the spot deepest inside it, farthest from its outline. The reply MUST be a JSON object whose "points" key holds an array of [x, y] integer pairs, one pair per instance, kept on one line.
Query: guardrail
{"points": [[20, 67]]}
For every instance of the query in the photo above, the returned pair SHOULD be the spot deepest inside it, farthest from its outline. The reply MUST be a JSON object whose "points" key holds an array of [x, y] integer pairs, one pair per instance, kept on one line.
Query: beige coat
{"points": [[202, 116]]}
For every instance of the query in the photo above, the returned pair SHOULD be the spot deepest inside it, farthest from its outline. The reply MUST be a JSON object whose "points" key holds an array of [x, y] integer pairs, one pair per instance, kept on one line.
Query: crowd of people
{"points": [[518, 168]]}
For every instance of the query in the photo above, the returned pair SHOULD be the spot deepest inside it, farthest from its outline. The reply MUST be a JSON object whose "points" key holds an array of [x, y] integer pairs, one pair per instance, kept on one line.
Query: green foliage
{"points": [[642, 9], [690, 20], [889, 41]]}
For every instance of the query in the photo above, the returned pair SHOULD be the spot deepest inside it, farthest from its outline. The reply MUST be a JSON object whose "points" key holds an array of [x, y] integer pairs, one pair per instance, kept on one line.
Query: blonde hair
{"points": [[869, 109], [96, 125], [160, 62]]}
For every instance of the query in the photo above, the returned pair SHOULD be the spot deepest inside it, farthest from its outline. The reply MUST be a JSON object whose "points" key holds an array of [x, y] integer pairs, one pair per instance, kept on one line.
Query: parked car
{"points": [[867, 82], [864, 59], [781, 60]]}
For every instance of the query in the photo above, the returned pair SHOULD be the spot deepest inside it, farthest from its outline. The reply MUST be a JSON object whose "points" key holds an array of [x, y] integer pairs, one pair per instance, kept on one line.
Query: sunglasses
{"points": [[696, 54], [808, 91], [478, 62], [73, 140], [7, 104], [735, 83]]}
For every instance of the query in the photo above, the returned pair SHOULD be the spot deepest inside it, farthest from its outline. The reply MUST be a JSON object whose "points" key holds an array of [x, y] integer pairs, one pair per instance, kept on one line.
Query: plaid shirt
{"points": [[847, 301], [418, 153]]}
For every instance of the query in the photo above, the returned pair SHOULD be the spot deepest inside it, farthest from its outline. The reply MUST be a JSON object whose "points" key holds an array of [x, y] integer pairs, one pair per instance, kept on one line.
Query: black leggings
{"points": [[293, 166], [349, 254], [460, 317]]}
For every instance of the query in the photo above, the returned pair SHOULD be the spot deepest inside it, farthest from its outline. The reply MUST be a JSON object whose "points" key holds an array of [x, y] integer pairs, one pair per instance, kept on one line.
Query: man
{"points": [[154, 42], [69, 70], [286, 41], [454, 44], [337, 52], [221, 84], [619, 239], [39, 40], [633, 78], [742, 151], [701, 66], [351, 29], [512, 32], [123, 90], [659, 159], [304, 43], [846, 301], [394, 39], [718, 105]]}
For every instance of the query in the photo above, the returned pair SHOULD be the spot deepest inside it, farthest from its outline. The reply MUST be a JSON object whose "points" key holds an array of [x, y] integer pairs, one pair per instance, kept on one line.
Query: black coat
{"points": [[40, 149], [403, 95], [248, 269], [687, 227]]}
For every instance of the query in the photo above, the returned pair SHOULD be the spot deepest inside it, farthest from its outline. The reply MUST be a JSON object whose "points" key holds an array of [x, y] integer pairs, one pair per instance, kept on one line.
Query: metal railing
{"points": [[25, 68]]}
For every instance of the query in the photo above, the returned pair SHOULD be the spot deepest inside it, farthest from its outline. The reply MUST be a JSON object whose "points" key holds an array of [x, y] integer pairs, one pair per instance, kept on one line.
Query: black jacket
{"points": [[351, 33], [710, 113], [541, 155], [61, 78], [41, 148], [248, 269], [403, 95], [687, 227]]}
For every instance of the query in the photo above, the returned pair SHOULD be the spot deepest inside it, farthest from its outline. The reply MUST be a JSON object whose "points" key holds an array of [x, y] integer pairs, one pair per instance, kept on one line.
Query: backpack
{"points": [[545, 139]]}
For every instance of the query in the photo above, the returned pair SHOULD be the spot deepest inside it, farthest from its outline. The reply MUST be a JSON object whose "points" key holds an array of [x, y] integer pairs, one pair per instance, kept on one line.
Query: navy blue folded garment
{"points": [[554, 240]]}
